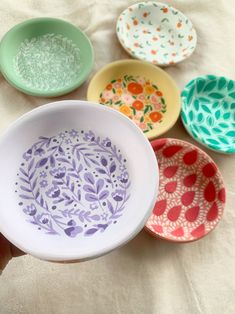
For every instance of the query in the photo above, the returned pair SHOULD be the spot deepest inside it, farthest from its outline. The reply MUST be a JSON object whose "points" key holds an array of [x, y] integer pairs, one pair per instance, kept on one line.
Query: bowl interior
{"points": [[191, 192], [156, 32], [208, 112], [70, 189], [46, 56], [141, 91]]}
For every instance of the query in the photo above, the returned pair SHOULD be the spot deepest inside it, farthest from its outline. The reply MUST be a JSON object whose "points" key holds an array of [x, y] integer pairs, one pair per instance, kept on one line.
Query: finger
{"points": [[15, 251], [5, 252]]}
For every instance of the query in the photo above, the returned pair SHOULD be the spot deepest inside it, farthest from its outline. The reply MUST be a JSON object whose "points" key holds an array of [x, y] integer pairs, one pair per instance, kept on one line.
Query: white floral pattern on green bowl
{"points": [[46, 57], [156, 32], [208, 112], [47, 62]]}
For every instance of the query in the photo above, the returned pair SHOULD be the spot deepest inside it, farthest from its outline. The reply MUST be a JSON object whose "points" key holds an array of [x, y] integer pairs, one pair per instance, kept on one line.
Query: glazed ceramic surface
{"points": [[74, 190], [156, 32], [191, 192], [143, 92], [46, 57], [208, 112]]}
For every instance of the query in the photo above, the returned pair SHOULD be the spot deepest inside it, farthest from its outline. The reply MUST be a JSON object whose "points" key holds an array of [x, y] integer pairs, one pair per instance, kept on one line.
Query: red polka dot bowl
{"points": [[191, 195]]}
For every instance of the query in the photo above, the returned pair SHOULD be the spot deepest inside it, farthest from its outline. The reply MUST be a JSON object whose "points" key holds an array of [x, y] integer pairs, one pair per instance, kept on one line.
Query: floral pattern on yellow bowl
{"points": [[141, 91], [156, 32], [137, 98]]}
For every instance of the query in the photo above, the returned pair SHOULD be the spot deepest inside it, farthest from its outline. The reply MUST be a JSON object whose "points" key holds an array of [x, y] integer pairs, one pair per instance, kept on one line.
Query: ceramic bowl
{"points": [[191, 192], [72, 176], [156, 32], [141, 91], [45, 57], [208, 112]]}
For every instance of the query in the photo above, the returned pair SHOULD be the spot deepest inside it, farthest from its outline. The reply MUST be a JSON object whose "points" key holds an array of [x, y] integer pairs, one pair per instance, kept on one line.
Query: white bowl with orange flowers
{"points": [[156, 32], [139, 90]]}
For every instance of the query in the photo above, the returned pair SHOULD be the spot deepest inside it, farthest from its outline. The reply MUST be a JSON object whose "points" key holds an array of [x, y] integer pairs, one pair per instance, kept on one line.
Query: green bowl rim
{"points": [[32, 91], [184, 93]]}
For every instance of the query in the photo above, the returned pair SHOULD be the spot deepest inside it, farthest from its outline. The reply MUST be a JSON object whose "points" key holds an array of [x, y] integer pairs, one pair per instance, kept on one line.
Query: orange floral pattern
{"points": [[156, 32], [137, 98]]}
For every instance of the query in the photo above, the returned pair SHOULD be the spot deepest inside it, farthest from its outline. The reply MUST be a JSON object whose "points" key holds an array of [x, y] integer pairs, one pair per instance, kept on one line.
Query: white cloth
{"points": [[147, 275]]}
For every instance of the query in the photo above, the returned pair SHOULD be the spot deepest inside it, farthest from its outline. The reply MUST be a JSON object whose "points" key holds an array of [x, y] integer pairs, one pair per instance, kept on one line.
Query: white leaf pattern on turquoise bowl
{"points": [[156, 32], [208, 112]]}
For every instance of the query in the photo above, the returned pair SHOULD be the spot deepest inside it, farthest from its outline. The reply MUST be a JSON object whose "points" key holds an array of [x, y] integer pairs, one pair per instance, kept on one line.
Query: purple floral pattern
{"points": [[73, 184]]}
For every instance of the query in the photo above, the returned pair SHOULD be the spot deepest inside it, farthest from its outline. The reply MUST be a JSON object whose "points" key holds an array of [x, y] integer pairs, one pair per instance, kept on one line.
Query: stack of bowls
{"points": [[81, 178]]}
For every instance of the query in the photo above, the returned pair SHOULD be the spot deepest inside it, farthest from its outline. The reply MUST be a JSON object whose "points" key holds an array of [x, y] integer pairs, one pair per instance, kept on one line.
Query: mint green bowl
{"points": [[46, 57], [208, 112]]}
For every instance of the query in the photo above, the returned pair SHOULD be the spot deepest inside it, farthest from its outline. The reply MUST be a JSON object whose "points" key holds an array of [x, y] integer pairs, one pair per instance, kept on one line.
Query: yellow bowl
{"points": [[141, 91]]}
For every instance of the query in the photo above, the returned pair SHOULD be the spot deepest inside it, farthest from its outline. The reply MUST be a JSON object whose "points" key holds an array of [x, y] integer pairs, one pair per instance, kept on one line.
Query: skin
{"points": [[7, 251]]}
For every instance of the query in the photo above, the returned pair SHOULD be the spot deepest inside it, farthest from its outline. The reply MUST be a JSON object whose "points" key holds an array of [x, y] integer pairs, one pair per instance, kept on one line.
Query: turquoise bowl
{"points": [[46, 57], [208, 112]]}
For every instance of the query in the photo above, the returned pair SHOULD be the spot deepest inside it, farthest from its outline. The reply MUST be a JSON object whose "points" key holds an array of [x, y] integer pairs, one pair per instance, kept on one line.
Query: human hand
{"points": [[7, 251]]}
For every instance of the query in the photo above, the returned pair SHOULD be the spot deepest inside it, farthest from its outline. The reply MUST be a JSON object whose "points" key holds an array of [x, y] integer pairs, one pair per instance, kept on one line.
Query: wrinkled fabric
{"points": [[146, 275]]}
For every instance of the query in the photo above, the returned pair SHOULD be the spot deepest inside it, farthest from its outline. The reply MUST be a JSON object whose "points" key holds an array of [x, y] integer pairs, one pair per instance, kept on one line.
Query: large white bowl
{"points": [[77, 181]]}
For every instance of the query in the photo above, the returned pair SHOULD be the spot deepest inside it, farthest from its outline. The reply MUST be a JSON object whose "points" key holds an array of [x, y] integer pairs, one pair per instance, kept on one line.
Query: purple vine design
{"points": [[73, 184]]}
